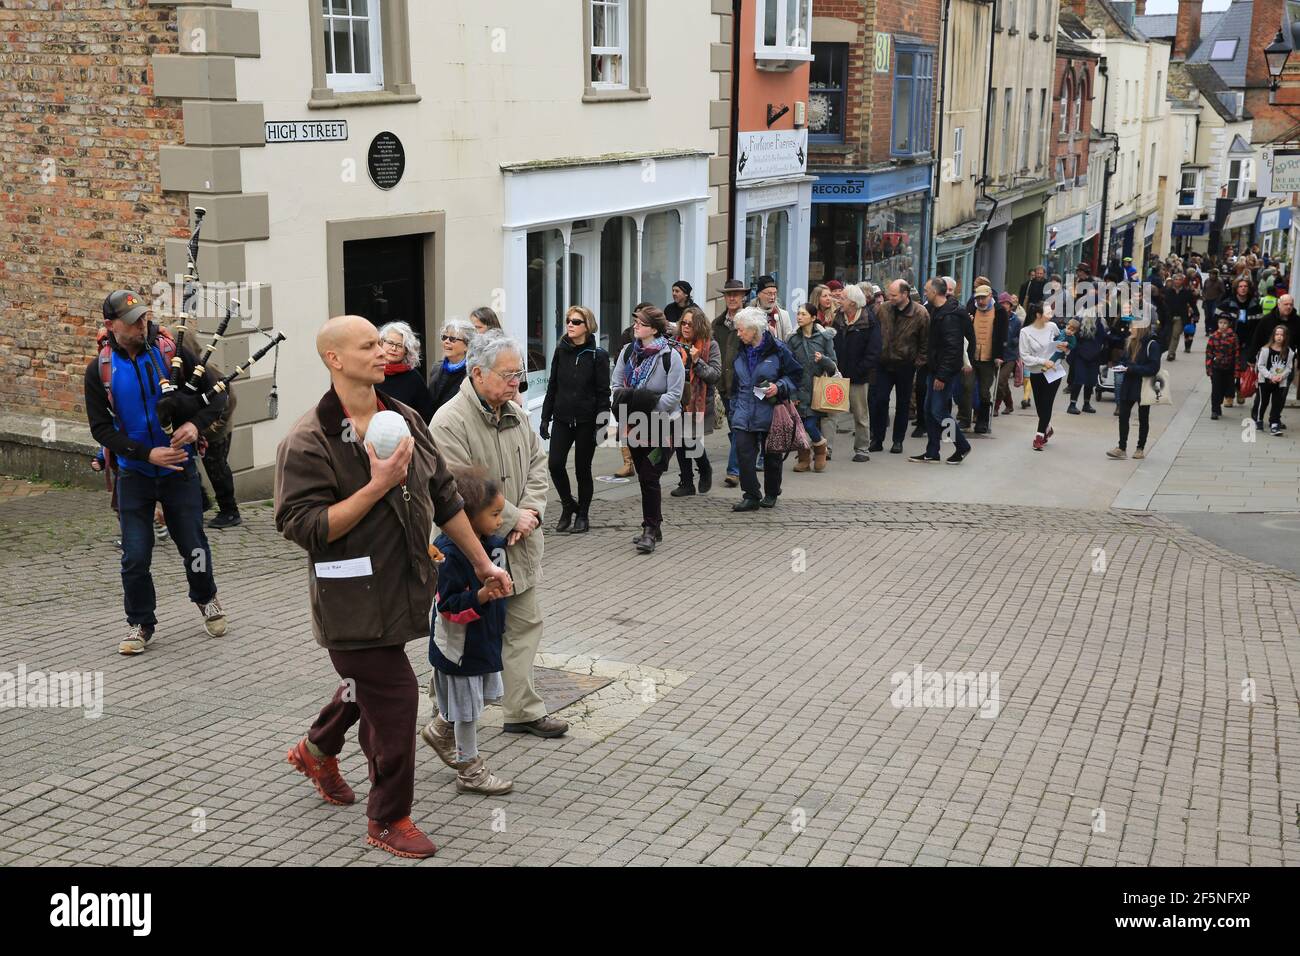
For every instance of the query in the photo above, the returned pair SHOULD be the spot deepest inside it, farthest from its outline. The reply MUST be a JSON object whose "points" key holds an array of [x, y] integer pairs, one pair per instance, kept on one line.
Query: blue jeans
{"points": [[182, 504], [938, 411], [812, 425]]}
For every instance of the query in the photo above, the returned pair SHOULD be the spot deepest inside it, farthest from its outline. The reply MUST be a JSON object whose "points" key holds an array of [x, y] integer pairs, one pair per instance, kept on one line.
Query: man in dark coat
{"points": [[944, 362]]}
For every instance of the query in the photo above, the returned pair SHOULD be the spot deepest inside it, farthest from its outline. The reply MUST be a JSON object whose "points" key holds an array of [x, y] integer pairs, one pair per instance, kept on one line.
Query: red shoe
{"points": [[402, 838], [323, 773], [1039, 442], [1050, 432]]}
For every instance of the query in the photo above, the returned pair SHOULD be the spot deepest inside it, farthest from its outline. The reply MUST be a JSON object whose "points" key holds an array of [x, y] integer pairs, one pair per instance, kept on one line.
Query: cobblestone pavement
{"points": [[1145, 709]]}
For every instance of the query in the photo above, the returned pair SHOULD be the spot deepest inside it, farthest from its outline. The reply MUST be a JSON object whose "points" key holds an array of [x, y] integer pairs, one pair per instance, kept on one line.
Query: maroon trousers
{"points": [[379, 689]]}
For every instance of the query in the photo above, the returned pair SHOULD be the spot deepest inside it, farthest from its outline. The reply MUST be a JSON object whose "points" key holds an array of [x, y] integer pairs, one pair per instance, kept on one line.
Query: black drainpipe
{"points": [[735, 135]]}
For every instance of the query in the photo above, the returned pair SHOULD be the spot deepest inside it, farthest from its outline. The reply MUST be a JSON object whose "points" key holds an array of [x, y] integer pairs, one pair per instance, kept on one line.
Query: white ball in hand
{"points": [[386, 431]]}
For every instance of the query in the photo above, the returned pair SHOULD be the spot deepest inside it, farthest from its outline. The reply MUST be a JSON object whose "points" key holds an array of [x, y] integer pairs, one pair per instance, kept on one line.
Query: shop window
{"points": [[1239, 178], [776, 239], [617, 288], [913, 84], [548, 297], [784, 33], [660, 256], [360, 52], [753, 248], [827, 84], [892, 242]]}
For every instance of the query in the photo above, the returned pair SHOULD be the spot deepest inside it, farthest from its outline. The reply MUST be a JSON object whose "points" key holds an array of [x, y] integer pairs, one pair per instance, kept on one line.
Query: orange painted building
{"points": [[771, 191]]}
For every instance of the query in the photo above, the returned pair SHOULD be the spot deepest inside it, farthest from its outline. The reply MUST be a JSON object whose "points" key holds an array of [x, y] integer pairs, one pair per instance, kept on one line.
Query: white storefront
{"points": [[605, 234], [773, 211]]}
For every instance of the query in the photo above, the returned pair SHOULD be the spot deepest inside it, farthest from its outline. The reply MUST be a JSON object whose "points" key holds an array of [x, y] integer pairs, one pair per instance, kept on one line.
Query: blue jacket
{"points": [[128, 426], [1011, 347], [464, 635], [775, 364]]}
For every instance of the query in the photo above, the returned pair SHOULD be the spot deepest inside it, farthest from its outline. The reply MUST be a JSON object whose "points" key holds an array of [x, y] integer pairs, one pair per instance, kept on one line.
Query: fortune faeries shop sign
{"points": [[771, 154], [306, 131]]}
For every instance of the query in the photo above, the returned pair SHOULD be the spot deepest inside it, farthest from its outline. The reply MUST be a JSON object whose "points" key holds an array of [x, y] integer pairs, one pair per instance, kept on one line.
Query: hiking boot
{"points": [[475, 777], [1117, 453], [1073, 409], [323, 772], [803, 458], [441, 736], [1227, 401], [684, 490], [214, 618], [226, 519], [547, 727], [402, 838], [135, 642], [566, 518]]}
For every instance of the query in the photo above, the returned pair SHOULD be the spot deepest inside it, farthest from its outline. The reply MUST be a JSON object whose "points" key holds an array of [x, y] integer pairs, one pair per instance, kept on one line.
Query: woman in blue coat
{"points": [[766, 373], [1142, 361], [1085, 361]]}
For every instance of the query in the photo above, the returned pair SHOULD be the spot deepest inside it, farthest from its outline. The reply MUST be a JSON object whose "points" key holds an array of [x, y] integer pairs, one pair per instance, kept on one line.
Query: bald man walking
{"points": [[364, 522]]}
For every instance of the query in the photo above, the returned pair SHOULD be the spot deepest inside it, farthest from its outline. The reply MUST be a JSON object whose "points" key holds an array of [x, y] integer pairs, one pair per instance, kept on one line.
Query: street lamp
{"points": [[1275, 55]]}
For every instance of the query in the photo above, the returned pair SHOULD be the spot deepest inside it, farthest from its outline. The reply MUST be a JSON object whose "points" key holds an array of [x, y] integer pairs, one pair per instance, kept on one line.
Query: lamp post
{"points": [[1275, 55]]}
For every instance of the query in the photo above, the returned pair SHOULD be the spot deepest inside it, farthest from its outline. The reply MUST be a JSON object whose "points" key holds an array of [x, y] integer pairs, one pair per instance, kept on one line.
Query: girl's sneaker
{"points": [[441, 736], [475, 777]]}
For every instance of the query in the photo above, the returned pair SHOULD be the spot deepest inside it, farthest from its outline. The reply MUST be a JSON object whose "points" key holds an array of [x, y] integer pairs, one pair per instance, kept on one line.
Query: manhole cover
{"points": [[562, 688]]}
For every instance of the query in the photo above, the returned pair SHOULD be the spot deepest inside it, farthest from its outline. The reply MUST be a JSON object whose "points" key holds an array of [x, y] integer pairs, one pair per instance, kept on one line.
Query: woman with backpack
{"points": [[703, 362], [1141, 361], [648, 380], [765, 375], [577, 399]]}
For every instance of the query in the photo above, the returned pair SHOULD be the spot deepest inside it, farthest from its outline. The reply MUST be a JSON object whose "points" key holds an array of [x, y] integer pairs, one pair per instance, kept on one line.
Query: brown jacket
{"points": [[383, 596], [904, 333]]}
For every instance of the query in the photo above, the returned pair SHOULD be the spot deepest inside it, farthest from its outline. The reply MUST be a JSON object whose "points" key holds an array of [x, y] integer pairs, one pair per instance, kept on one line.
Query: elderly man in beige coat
{"points": [[484, 426]]}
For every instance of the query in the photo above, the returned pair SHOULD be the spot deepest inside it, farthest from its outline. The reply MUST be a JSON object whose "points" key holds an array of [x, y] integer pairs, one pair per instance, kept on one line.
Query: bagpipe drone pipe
{"points": [[181, 402]]}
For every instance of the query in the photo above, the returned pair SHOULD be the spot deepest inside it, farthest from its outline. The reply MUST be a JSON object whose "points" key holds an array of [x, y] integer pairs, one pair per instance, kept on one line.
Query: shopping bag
{"points": [[830, 393], [786, 433], [1155, 389], [1248, 383]]}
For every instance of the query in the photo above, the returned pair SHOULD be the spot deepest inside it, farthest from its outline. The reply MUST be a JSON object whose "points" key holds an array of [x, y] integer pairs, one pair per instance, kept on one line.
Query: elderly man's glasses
{"points": [[510, 378]]}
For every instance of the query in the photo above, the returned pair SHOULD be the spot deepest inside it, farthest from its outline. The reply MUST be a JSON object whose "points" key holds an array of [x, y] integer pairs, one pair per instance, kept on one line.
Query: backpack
{"points": [[668, 364]]}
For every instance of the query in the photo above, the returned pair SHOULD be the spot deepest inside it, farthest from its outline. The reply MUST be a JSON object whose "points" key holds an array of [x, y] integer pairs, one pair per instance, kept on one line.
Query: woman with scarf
{"points": [[1086, 359], [648, 381], [704, 359], [813, 347], [577, 400], [401, 381], [765, 375], [682, 301], [445, 381]]}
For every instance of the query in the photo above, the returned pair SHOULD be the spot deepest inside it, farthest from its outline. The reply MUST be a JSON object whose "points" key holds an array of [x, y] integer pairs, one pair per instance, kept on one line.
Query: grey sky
{"points": [[1171, 6]]}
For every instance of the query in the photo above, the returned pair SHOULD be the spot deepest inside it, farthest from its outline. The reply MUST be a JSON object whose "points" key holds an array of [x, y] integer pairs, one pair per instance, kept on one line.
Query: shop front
{"points": [[599, 234], [1091, 248], [870, 226], [1234, 224], [1064, 248], [1014, 241], [1271, 230], [1149, 227], [954, 252], [1122, 235], [1185, 234], [773, 210]]}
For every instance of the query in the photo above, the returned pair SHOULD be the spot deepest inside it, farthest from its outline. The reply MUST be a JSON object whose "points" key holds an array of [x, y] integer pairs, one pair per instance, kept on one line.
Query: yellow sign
{"points": [[881, 58]]}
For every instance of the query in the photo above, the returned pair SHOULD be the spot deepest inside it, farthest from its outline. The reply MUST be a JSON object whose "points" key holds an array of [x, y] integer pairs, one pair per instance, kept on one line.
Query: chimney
{"points": [[1079, 7], [1188, 32], [1140, 8]]}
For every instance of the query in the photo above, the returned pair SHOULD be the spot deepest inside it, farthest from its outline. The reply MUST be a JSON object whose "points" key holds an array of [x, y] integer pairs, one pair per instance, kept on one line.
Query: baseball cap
{"points": [[125, 306], [983, 290]]}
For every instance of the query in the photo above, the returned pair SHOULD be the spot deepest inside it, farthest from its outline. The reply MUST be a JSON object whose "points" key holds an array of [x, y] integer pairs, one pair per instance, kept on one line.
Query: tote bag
{"points": [[830, 393], [1155, 389]]}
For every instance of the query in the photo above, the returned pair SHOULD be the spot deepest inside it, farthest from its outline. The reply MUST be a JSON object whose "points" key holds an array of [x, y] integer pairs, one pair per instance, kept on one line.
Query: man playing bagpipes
{"points": [[156, 458]]}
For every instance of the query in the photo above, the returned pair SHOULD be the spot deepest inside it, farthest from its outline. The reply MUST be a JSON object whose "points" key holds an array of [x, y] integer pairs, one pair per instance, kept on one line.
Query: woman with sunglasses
{"points": [[576, 406], [401, 380], [445, 381]]}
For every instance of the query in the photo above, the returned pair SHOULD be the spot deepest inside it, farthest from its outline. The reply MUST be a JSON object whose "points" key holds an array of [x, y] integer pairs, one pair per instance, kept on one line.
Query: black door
{"points": [[383, 280]]}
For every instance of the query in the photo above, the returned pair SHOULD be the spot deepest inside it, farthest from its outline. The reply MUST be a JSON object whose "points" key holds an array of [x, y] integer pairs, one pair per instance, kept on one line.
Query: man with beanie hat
{"points": [[778, 319], [681, 302]]}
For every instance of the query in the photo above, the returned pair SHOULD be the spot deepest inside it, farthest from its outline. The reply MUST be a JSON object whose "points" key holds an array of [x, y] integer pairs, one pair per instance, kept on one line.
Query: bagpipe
{"points": [[180, 402]]}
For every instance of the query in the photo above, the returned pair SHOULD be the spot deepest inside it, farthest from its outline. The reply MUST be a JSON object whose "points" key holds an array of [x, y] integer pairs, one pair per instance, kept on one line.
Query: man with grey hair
{"points": [[857, 351], [483, 425]]}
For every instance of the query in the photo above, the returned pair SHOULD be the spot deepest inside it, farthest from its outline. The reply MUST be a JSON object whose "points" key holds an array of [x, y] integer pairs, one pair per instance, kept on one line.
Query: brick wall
{"points": [[80, 199], [1072, 143], [920, 18], [858, 90]]}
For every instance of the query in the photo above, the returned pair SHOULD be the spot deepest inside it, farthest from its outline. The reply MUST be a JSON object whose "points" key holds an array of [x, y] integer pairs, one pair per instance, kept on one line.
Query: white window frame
{"points": [[1076, 125], [1005, 156], [1215, 48], [1026, 118], [1065, 105], [357, 82], [1060, 174], [788, 52], [1195, 189], [958, 151], [622, 51]]}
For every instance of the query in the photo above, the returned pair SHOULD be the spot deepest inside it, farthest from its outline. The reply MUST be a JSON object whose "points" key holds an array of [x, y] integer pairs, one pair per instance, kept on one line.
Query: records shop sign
{"points": [[771, 154]]}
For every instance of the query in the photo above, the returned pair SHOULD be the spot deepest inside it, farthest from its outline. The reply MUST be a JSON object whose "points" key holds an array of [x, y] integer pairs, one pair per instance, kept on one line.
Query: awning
{"points": [[1241, 217]]}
